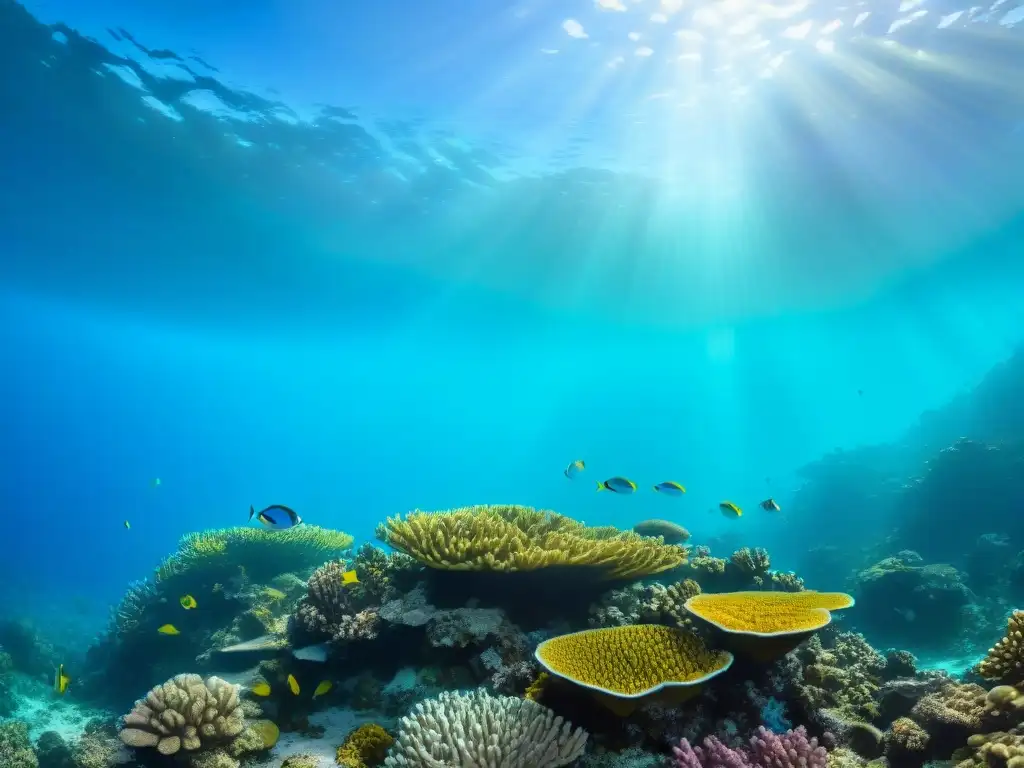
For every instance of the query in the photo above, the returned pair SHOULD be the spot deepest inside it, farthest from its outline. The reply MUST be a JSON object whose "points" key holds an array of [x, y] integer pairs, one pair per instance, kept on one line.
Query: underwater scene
{"points": [[512, 384]]}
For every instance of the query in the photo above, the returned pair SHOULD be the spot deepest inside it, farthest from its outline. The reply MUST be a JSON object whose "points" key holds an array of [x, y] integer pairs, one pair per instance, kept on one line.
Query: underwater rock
{"points": [[53, 751]]}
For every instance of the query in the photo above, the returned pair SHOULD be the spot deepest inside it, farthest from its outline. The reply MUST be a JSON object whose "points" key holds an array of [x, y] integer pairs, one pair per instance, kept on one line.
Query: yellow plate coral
{"points": [[633, 661], [513, 538]]}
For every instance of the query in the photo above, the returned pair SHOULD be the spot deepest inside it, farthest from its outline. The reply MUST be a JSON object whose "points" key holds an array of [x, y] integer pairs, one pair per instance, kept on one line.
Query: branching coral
{"points": [[476, 730], [751, 562], [327, 611], [767, 750], [1005, 661], [15, 746], [187, 713], [511, 539], [262, 552]]}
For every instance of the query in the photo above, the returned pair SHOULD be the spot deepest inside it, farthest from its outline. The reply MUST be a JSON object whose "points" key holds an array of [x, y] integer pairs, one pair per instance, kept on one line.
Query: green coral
{"points": [[16, 747], [365, 747]]}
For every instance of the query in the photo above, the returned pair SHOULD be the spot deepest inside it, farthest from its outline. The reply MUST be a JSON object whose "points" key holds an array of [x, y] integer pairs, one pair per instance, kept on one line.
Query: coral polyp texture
{"points": [[633, 660], [327, 612], [1005, 660], [484, 731], [767, 750], [512, 538], [365, 747], [296, 549], [187, 713], [768, 613]]}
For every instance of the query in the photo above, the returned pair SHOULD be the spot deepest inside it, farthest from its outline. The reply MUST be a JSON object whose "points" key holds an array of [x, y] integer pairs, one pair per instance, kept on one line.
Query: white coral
{"points": [[478, 730], [182, 713]]}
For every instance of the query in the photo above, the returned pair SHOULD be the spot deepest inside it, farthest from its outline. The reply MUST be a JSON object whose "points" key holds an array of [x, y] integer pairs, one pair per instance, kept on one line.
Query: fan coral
{"points": [[365, 747], [482, 730], [633, 661], [183, 713], [266, 553], [327, 612], [767, 750], [1005, 661], [670, 532], [511, 538]]}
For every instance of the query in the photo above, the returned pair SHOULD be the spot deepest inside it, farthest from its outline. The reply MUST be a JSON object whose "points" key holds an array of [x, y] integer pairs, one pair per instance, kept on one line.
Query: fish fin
{"points": [[654, 487], [252, 511], [600, 486]]}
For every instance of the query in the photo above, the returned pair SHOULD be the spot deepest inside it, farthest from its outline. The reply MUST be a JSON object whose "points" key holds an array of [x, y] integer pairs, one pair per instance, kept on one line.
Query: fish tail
{"points": [[600, 486], [654, 487], [252, 511]]}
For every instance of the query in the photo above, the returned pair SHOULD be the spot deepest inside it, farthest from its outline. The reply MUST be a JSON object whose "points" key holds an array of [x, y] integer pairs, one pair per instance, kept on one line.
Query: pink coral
{"points": [[791, 749]]}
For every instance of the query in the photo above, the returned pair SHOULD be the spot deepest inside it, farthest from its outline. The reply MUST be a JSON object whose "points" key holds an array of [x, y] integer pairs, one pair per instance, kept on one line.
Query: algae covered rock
{"points": [[15, 746]]}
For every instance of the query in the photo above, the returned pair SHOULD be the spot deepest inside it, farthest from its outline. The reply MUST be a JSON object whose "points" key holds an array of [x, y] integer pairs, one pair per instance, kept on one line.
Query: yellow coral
{"points": [[768, 613], [632, 661], [513, 538], [536, 689], [365, 747], [1005, 661]]}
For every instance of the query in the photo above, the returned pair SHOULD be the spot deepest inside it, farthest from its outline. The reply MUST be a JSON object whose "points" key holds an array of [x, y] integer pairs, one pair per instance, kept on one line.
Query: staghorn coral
{"points": [[365, 747], [186, 713], [767, 750], [327, 611], [477, 730], [262, 552], [786, 581], [1005, 661], [632, 661], [751, 562], [512, 539]]}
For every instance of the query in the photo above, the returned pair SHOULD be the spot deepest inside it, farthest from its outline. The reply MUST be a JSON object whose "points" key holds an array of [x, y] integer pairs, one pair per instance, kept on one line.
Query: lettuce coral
{"points": [[512, 538], [480, 729], [186, 713]]}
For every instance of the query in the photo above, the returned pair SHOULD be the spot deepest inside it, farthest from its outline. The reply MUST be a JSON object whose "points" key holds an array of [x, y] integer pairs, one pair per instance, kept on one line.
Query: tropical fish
{"points": [[575, 468], [276, 516], [168, 629], [323, 688], [127, 525], [316, 652], [274, 594], [730, 510], [349, 577], [617, 485], [60, 681], [293, 685], [670, 488], [187, 602], [770, 505], [261, 689], [262, 643]]}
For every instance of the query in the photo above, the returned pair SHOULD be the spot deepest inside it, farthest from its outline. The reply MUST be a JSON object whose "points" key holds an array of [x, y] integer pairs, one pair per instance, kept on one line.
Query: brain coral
{"points": [[478, 729], [768, 613], [633, 660], [1005, 661], [512, 538], [187, 713]]}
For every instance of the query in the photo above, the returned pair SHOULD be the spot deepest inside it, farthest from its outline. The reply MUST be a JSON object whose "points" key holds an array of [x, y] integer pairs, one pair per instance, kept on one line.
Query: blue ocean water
{"points": [[509, 242]]}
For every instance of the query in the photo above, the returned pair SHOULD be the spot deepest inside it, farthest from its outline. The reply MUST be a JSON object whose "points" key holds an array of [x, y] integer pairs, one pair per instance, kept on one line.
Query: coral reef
{"points": [[479, 729], [510, 539], [328, 611], [15, 747], [366, 747], [1005, 660], [792, 749]]}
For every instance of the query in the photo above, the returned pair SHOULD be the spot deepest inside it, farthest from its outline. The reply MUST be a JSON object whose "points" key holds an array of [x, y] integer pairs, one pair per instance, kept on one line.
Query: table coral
{"points": [[792, 749], [478, 729], [186, 713], [632, 661], [512, 538]]}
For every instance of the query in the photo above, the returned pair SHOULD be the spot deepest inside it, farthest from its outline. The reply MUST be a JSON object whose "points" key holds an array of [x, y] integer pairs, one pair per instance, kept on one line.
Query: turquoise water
{"points": [[510, 242]]}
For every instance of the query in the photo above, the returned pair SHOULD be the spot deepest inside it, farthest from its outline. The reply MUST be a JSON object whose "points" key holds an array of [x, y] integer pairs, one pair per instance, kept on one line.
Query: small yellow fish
{"points": [[617, 485], [730, 510], [61, 681], [293, 685], [274, 594], [670, 488], [349, 577], [168, 629], [260, 689], [323, 688], [187, 602], [127, 525]]}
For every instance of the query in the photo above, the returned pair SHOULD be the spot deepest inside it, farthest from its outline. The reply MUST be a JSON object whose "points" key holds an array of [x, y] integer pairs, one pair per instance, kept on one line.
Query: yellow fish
{"points": [[260, 689], [168, 629], [274, 594], [293, 685], [127, 525], [187, 602], [61, 681], [730, 510], [323, 688], [349, 577]]}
